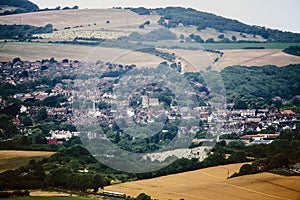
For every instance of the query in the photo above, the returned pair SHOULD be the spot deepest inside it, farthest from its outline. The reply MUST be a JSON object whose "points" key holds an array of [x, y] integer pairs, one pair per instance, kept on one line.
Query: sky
{"points": [[278, 14]]}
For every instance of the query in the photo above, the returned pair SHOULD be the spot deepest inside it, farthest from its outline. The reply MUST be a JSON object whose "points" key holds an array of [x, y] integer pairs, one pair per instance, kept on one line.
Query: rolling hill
{"points": [[182, 21], [165, 28], [212, 183], [176, 16], [17, 6]]}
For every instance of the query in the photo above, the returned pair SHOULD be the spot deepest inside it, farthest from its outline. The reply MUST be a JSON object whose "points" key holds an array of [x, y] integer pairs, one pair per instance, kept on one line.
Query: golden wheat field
{"points": [[257, 57], [212, 184], [11, 159], [91, 19], [38, 51], [199, 60]]}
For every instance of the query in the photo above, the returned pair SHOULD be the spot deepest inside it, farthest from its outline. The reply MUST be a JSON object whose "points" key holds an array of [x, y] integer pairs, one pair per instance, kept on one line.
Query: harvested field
{"points": [[11, 159], [200, 60], [89, 19], [212, 183], [194, 60], [256, 58], [38, 51]]}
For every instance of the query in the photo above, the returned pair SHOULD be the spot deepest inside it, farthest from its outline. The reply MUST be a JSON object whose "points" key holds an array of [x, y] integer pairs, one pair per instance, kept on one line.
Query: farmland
{"points": [[199, 60], [256, 58], [212, 183], [89, 19], [10, 159], [37, 51], [110, 24]]}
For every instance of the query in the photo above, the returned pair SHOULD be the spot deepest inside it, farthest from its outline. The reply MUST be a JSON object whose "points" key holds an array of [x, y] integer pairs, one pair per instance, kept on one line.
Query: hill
{"points": [[188, 25], [86, 19], [212, 183], [17, 6], [176, 16]]}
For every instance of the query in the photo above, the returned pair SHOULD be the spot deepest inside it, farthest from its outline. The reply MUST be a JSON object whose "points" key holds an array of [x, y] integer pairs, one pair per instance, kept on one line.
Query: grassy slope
{"points": [[10, 159]]}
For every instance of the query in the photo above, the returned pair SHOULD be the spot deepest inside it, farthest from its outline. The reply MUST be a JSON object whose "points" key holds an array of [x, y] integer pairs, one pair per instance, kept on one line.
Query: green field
{"points": [[170, 44]]}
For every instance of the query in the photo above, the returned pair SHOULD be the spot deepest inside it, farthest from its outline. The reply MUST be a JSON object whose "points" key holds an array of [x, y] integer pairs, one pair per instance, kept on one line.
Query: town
{"points": [[51, 92]]}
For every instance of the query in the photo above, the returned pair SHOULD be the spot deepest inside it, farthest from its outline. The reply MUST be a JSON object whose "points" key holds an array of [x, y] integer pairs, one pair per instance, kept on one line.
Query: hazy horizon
{"points": [[276, 14]]}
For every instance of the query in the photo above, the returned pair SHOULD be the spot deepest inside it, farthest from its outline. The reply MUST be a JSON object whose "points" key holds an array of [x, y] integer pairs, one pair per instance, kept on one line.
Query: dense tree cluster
{"points": [[163, 55], [62, 172], [293, 50], [282, 152], [155, 35], [254, 87], [140, 10], [197, 38]]}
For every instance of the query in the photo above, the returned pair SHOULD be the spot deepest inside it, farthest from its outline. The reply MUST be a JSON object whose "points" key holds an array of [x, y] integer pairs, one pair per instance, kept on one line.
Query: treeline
{"points": [[293, 50], [140, 10], [23, 32], [255, 87], [155, 35], [82, 41], [23, 6], [163, 55], [173, 16], [60, 8], [280, 153]]}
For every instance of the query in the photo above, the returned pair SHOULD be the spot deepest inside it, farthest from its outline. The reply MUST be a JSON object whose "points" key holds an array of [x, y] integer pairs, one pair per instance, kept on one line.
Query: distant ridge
{"points": [[172, 17], [19, 6]]}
